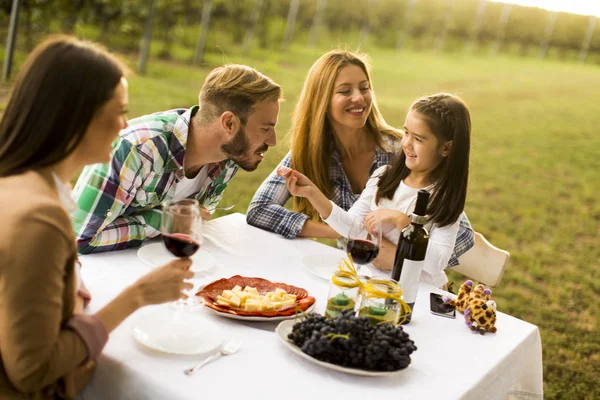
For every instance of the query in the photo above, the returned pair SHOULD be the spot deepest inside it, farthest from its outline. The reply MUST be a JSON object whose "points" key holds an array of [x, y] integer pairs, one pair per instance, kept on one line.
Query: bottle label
{"points": [[409, 279]]}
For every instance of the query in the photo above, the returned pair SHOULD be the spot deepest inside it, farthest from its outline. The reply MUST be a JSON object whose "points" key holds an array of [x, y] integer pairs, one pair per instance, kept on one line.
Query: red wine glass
{"points": [[362, 245], [181, 228]]}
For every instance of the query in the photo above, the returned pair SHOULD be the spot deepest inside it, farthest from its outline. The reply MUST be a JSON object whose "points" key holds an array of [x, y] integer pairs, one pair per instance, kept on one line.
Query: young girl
{"points": [[339, 139], [435, 157]]}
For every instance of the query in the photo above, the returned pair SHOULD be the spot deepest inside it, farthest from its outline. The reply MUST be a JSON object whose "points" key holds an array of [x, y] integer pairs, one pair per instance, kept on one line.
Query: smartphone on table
{"points": [[438, 307]]}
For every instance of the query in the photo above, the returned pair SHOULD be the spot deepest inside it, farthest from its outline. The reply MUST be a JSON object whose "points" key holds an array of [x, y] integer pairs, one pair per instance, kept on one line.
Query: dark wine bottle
{"points": [[410, 252]]}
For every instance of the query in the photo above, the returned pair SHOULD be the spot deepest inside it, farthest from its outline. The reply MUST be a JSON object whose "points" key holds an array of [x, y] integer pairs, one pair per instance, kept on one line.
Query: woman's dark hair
{"points": [[448, 117], [61, 86]]}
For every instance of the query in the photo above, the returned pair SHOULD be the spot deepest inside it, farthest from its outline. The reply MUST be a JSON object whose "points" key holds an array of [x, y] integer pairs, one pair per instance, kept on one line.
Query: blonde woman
{"points": [[339, 138], [177, 154]]}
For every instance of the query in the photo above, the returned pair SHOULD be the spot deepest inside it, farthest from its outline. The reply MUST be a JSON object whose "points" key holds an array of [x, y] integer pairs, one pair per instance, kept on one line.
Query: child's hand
{"points": [[282, 170], [301, 186], [298, 184], [389, 219], [402, 221]]}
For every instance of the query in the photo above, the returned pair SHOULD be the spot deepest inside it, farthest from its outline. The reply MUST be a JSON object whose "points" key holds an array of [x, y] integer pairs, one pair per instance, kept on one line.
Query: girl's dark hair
{"points": [[448, 117], [60, 87]]}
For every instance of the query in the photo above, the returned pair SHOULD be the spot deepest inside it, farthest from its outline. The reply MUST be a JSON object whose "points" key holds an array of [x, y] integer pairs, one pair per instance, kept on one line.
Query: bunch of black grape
{"points": [[353, 342]]}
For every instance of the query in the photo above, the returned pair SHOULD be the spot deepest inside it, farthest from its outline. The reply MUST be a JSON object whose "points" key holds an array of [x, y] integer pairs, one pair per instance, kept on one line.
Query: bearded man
{"points": [[174, 155]]}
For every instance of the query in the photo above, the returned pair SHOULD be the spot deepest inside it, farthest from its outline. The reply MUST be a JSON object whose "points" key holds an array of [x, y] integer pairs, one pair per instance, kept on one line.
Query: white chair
{"points": [[484, 262]]}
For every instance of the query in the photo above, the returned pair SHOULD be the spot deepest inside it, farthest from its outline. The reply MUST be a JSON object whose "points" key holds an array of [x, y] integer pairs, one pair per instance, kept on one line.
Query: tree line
{"points": [[186, 29]]}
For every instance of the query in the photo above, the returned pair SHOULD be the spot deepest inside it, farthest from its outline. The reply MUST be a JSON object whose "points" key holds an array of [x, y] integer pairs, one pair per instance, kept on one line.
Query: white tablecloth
{"points": [[451, 362]]}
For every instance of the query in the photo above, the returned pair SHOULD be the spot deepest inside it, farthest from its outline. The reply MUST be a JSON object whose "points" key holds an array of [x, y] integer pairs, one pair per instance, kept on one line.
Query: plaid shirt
{"points": [[119, 202], [266, 209]]}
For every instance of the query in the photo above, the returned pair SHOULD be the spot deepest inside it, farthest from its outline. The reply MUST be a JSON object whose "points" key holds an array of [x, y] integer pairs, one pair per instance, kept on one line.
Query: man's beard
{"points": [[238, 151]]}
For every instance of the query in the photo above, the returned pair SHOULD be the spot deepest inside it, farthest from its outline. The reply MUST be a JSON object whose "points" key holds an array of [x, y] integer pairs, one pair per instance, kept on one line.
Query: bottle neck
{"points": [[417, 219], [418, 215]]}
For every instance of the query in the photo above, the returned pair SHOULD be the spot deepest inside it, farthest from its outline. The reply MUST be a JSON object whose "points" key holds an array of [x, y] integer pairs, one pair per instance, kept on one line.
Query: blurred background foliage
{"points": [[120, 24]]}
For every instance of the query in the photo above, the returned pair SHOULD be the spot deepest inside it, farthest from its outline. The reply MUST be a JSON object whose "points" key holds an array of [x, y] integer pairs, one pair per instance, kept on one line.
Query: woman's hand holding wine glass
{"points": [[164, 284], [181, 228]]}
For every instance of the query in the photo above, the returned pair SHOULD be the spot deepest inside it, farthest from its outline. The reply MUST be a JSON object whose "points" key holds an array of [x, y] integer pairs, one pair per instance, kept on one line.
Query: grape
{"points": [[353, 341]]}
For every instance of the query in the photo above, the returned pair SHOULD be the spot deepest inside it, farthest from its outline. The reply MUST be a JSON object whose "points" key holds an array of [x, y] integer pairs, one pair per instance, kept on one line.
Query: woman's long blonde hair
{"points": [[311, 133]]}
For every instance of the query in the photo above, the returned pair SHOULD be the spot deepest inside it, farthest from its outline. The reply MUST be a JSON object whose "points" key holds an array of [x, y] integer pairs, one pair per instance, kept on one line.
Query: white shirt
{"points": [[441, 240], [64, 195], [188, 187]]}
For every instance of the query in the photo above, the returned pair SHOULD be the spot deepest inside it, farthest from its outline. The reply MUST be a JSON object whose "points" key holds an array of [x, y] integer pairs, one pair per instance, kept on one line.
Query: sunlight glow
{"points": [[584, 7]]}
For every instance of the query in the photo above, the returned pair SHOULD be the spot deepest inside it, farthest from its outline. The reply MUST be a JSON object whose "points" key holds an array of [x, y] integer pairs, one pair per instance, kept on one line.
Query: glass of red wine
{"points": [[362, 245], [181, 228]]}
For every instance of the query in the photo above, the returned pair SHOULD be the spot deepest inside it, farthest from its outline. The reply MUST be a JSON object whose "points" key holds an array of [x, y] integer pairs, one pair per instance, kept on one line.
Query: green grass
{"points": [[533, 186]]}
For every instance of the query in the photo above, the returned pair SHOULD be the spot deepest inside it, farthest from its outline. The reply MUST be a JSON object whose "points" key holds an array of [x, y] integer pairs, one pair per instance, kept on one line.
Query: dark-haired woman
{"points": [[67, 106], [435, 157]]}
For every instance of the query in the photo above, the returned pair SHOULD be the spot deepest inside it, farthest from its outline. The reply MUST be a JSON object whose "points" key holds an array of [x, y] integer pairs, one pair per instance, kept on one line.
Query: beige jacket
{"points": [[45, 351]]}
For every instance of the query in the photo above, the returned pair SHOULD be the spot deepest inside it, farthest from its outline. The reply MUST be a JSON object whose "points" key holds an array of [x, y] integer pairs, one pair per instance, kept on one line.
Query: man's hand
{"points": [[206, 215]]}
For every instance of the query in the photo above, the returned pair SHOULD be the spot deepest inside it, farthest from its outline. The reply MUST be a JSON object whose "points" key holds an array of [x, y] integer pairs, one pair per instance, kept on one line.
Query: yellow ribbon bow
{"points": [[346, 276]]}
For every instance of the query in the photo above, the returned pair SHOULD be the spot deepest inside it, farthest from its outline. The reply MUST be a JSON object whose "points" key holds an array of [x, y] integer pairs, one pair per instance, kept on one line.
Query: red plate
{"points": [[214, 289]]}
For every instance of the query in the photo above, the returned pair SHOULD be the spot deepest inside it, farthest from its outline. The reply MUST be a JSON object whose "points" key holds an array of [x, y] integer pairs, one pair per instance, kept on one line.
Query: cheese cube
{"points": [[251, 290], [251, 300], [277, 305], [274, 297], [243, 295], [267, 305], [288, 304], [252, 305], [235, 300], [222, 299]]}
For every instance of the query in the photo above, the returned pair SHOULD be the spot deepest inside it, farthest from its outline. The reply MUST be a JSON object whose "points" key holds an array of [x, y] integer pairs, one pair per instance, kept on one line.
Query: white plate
{"points": [[257, 318], [285, 327], [324, 265], [174, 331], [155, 254]]}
